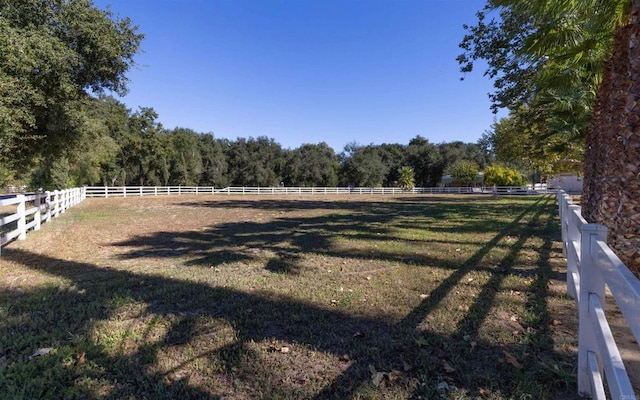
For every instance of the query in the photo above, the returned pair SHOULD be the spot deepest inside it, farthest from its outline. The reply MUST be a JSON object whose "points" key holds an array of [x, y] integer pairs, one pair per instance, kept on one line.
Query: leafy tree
{"points": [[393, 157], [363, 166], [406, 178], [311, 165], [214, 161], [464, 172], [52, 53], [546, 59], [185, 158], [426, 161], [502, 176], [147, 150], [255, 162]]}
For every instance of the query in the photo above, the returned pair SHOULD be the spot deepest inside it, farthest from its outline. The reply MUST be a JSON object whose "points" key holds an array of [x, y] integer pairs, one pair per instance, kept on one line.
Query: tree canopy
{"points": [[53, 55], [547, 59]]}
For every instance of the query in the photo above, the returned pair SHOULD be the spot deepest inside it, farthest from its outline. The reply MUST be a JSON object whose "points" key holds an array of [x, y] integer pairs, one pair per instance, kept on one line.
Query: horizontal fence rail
{"points": [[21, 213], [124, 191], [592, 265]]}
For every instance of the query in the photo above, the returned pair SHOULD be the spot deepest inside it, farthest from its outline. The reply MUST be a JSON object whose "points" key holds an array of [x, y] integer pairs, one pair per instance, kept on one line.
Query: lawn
{"points": [[348, 297]]}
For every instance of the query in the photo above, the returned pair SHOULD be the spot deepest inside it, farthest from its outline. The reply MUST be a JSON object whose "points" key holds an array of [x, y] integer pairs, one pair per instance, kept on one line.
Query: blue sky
{"points": [[307, 71]]}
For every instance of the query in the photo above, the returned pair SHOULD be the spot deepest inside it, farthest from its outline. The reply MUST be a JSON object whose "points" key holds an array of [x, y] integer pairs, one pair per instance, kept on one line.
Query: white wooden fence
{"points": [[591, 265], [124, 191], [24, 212]]}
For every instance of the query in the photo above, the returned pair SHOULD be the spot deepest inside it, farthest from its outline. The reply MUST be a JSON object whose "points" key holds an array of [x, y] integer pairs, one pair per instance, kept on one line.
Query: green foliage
{"points": [[406, 178], [464, 172], [214, 161], [426, 161], [185, 157], [311, 165], [502, 176], [363, 166], [547, 59], [255, 162], [51, 54]]}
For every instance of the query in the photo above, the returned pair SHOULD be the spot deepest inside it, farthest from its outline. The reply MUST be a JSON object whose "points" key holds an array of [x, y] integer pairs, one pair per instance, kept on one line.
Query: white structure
{"points": [[570, 183], [592, 266]]}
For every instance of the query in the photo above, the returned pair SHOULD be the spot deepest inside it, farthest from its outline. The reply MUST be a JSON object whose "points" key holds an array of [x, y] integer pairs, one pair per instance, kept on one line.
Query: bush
{"points": [[502, 176], [464, 172]]}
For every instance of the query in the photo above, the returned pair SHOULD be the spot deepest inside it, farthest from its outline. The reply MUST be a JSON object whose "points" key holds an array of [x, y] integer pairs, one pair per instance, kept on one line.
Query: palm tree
{"points": [[407, 178], [589, 84], [611, 194]]}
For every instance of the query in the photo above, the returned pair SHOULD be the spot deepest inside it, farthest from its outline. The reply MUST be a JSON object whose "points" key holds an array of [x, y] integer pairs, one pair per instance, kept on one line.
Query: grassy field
{"points": [[356, 297]]}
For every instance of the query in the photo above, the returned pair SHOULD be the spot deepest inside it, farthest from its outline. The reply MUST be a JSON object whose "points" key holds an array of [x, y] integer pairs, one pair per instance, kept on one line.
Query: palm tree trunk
{"points": [[611, 194]]}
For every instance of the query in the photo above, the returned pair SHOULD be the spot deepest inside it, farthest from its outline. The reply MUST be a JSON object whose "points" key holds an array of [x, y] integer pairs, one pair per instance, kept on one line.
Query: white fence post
{"points": [[591, 283], [22, 218], [56, 203], [38, 215], [573, 257], [47, 205]]}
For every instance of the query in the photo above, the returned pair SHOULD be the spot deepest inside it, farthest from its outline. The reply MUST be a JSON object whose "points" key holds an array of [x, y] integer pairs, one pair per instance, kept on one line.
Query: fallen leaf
{"points": [[393, 375], [513, 318], [555, 322], [80, 358], [424, 296], [377, 378], [284, 349], [447, 367], [484, 392], [510, 359], [345, 358], [41, 352]]}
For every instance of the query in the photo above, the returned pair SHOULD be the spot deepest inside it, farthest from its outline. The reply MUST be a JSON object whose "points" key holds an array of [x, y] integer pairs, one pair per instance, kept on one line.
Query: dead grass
{"points": [[310, 297]]}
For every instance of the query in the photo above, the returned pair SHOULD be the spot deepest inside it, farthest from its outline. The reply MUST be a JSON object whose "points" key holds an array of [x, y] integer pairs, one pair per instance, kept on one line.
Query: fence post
{"points": [[37, 217], [573, 236], [565, 202], [54, 203], [47, 205], [591, 282], [22, 218]]}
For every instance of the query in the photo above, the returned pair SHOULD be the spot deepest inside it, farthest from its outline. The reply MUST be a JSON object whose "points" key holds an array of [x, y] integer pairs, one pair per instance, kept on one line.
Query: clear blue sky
{"points": [[307, 71]]}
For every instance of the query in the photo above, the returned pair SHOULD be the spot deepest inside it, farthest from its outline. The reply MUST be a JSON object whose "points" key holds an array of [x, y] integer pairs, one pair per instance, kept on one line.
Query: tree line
{"points": [[133, 148]]}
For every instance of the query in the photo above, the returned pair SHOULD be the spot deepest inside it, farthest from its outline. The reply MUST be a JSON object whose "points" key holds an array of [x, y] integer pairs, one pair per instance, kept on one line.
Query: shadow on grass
{"points": [[286, 237], [64, 319]]}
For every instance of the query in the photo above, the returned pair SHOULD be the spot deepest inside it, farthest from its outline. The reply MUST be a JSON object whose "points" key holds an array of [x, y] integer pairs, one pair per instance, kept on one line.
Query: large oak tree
{"points": [[54, 56]]}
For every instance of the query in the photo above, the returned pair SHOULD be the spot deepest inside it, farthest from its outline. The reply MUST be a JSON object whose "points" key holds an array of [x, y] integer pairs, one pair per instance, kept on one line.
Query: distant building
{"points": [[569, 182], [447, 180]]}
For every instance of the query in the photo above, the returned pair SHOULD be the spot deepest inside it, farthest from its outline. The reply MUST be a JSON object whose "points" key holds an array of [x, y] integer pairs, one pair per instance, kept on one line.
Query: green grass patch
{"points": [[308, 298]]}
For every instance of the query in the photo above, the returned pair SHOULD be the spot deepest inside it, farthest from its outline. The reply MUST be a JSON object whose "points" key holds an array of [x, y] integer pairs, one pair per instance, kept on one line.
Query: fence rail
{"points": [[22, 213], [124, 191], [592, 265]]}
